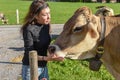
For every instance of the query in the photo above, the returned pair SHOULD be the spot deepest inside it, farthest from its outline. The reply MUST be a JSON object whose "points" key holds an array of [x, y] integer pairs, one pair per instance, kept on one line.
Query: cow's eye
{"points": [[77, 29]]}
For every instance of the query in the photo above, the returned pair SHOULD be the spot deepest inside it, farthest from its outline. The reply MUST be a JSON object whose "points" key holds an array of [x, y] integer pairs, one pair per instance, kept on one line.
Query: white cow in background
{"points": [[3, 19]]}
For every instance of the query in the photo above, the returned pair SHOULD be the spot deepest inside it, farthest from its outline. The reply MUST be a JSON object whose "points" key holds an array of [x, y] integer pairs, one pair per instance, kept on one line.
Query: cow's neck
{"points": [[106, 26], [111, 22]]}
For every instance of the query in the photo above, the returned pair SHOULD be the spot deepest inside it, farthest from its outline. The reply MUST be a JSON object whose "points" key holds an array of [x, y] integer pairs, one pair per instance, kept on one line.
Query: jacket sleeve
{"points": [[28, 40]]}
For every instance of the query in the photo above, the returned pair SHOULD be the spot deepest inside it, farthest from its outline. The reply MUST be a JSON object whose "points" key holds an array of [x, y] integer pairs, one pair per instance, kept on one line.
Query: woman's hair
{"points": [[34, 9]]}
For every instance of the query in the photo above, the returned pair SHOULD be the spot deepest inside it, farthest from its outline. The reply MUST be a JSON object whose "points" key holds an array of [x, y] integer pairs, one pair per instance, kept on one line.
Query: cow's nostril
{"points": [[51, 49]]}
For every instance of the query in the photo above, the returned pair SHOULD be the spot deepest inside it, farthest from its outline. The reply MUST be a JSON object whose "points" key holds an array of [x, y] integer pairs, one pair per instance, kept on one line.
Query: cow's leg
{"points": [[4, 21]]}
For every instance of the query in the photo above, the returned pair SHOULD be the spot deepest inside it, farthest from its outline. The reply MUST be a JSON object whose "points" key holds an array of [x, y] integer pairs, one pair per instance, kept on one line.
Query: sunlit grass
{"points": [[60, 11], [76, 70]]}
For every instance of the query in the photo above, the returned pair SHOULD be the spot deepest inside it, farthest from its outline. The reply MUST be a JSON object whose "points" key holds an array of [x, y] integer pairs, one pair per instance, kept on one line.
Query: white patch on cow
{"points": [[58, 51]]}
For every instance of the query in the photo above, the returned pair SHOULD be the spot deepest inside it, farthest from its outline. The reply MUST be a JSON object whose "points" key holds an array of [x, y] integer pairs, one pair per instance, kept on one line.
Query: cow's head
{"points": [[79, 36]]}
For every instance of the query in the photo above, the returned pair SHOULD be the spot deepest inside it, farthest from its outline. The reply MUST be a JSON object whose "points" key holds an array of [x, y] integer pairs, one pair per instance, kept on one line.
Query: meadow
{"points": [[60, 13]]}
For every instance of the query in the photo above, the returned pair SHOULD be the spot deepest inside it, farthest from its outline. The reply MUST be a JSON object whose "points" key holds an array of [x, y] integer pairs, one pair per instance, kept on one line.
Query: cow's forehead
{"points": [[76, 19], [81, 16]]}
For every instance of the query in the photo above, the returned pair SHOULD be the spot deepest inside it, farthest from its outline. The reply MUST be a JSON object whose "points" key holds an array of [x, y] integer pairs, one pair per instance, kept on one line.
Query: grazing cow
{"points": [[104, 11], [84, 32], [3, 19]]}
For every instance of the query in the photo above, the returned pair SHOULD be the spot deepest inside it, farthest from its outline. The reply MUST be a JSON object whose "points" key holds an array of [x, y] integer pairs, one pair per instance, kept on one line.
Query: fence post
{"points": [[33, 65], [17, 16]]}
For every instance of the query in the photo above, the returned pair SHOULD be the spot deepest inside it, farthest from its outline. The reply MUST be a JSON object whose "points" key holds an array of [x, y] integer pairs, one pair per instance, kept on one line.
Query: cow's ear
{"points": [[85, 10]]}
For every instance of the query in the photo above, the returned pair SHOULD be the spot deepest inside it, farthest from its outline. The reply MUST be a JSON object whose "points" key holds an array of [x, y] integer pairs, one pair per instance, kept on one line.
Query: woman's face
{"points": [[44, 16]]}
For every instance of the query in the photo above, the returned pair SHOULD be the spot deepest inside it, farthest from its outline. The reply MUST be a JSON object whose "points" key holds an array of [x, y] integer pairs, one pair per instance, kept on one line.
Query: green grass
{"points": [[60, 11], [76, 70]]}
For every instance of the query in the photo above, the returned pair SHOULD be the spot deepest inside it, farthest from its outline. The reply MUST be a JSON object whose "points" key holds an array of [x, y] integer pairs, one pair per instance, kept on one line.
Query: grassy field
{"points": [[76, 70], [60, 12]]}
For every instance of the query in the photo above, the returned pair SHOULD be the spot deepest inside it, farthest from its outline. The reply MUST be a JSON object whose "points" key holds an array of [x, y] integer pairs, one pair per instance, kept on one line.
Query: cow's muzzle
{"points": [[55, 49], [51, 49]]}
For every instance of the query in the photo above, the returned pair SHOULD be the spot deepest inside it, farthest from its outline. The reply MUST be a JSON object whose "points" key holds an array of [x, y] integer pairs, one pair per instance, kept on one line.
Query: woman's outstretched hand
{"points": [[54, 57]]}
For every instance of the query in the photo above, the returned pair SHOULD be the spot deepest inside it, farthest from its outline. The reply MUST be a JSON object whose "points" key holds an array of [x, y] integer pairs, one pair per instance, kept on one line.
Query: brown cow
{"points": [[82, 34]]}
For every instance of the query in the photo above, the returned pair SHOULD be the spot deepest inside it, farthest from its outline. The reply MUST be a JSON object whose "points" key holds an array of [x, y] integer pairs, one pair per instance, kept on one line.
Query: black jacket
{"points": [[36, 37]]}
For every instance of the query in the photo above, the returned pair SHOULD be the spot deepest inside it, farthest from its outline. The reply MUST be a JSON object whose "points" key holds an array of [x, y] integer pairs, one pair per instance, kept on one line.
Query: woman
{"points": [[36, 36]]}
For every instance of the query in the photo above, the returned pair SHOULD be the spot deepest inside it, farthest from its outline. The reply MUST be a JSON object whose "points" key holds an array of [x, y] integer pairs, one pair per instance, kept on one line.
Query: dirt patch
{"points": [[11, 52], [17, 59]]}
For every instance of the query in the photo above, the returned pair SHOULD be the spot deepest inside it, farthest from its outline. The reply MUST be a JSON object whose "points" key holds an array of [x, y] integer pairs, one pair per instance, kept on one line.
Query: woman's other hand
{"points": [[53, 57], [56, 58]]}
